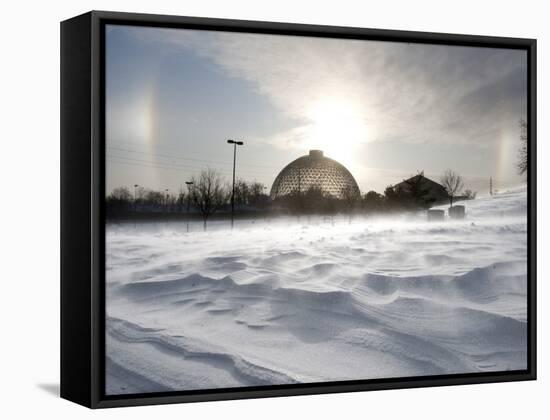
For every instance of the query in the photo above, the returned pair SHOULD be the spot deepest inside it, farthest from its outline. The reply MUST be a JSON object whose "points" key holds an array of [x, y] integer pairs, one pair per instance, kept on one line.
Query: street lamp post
{"points": [[188, 183], [235, 144], [135, 196]]}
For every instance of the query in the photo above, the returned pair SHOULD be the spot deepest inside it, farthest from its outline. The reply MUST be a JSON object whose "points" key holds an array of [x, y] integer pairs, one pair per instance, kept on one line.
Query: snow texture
{"points": [[316, 299]]}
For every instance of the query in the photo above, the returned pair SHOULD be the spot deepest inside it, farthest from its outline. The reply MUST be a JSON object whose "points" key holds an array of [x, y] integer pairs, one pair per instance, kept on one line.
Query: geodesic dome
{"points": [[315, 170]]}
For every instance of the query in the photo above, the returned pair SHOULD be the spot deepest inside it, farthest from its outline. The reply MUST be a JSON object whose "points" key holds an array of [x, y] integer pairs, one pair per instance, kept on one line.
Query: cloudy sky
{"points": [[384, 110]]}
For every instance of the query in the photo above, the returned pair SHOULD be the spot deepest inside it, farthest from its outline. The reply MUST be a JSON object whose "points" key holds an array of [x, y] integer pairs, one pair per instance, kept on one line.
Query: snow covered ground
{"points": [[284, 301]]}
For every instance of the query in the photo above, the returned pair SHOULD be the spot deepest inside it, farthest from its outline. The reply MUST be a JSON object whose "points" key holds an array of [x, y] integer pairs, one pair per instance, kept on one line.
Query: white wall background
{"points": [[29, 210]]}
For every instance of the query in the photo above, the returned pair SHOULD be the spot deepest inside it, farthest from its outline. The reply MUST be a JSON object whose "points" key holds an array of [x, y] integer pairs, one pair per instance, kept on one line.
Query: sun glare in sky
{"points": [[337, 127]]}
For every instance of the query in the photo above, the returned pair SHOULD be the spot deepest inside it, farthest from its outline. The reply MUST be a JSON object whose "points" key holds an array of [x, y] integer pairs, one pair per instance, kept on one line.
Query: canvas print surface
{"points": [[284, 209]]}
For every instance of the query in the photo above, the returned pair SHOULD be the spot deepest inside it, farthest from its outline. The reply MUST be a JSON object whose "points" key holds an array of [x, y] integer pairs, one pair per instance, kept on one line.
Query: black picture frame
{"points": [[83, 219]]}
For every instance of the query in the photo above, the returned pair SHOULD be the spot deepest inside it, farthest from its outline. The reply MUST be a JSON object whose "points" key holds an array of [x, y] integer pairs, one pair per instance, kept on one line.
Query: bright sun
{"points": [[337, 128]]}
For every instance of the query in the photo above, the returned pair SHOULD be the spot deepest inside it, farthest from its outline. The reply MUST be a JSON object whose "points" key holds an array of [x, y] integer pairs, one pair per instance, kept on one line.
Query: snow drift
{"points": [[310, 300]]}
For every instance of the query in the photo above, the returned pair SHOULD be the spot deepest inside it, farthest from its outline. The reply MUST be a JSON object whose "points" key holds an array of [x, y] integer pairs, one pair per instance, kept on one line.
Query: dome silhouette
{"points": [[315, 171]]}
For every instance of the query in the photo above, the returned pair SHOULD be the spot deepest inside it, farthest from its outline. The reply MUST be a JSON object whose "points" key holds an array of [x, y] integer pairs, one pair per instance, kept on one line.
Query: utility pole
{"points": [[491, 186], [235, 144]]}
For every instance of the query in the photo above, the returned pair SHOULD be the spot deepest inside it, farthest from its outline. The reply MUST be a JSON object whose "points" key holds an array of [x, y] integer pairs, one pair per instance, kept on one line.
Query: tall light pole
{"points": [[135, 196], [188, 183], [235, 144]]}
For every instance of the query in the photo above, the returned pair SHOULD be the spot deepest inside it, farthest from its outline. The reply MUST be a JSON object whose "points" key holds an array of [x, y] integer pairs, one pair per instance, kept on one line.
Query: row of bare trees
{"points": [[208, 192], [522, 153]]}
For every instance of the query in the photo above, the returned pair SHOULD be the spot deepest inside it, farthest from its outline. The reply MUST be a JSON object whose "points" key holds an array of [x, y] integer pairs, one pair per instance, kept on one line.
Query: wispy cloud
{"points": [[401, 92]]}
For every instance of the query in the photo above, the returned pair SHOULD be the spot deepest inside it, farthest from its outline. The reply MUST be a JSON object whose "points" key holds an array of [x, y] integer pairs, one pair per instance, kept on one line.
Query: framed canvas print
{"points": [[255, 209]]}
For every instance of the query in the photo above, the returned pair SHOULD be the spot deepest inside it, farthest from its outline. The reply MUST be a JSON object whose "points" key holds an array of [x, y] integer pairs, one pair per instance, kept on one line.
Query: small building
{"points": [[457, 212], [431, 192], [436, 215]]}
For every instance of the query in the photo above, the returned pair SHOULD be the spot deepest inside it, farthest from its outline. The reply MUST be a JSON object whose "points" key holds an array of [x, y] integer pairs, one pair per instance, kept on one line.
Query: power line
{"points": [[157, 166], [153, 165], [118, 149], [186, 166], [178, 165], [179, 157]]}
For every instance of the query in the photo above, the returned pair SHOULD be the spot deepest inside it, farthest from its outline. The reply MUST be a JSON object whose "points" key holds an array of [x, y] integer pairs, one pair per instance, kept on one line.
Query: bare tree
{"points": [[242, 193], [257, 196], [470, 195], [350, 197], [140, 194], [208, 193], [154, 198], [453, 184], [522, 154], [121, 194], [372, 201], [118, 201], [180, 200]]}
